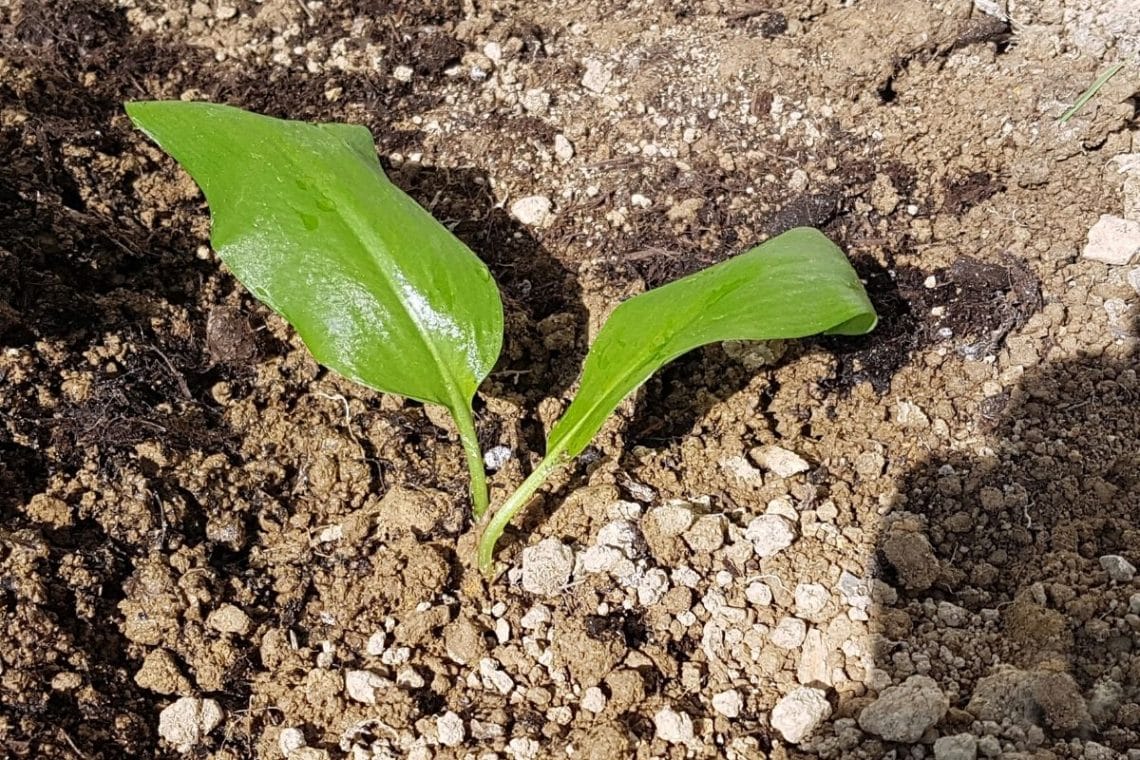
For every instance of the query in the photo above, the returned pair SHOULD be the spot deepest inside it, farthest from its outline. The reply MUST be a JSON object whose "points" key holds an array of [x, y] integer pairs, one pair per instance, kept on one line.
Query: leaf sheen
{"points": [[795, 285], [304, 216]]}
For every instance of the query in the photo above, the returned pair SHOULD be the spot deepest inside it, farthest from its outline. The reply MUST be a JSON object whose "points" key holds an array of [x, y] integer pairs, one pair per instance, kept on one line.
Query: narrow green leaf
{"points": [[795, 285], [304, 217], [792, 286]]}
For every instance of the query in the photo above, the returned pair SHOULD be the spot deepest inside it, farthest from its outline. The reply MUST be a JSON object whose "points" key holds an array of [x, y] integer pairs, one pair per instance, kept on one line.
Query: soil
{"points": [[192, 509]]}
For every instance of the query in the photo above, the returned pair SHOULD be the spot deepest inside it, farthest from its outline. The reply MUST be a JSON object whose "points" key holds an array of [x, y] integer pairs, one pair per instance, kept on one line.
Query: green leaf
{"points": [[305, 218], [795, 285], [792, 286]]}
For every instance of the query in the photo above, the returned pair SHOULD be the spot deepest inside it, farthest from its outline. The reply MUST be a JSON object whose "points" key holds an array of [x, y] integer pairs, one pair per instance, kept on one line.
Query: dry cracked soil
{"points": [[921, 543]]}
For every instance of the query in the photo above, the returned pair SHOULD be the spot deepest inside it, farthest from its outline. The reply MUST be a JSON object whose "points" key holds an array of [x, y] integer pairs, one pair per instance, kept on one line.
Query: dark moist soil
{"points": [[192, 509]]}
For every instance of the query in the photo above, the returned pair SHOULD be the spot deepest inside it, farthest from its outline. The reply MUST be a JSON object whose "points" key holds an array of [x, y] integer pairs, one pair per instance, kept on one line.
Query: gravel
{"points": [[800, 712], [1118, 568], [903, 713], [957, 747], [728, 703], [1113, 240], [187, 721], [770, 534], [449, 728], [779, 461], [673, 727], [789, 633], [546, 567], [533, 210]]}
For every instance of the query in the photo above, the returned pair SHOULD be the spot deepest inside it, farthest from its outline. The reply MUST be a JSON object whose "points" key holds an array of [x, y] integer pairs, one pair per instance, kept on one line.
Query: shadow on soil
{"points": [[1015, 536], [81, 266]]}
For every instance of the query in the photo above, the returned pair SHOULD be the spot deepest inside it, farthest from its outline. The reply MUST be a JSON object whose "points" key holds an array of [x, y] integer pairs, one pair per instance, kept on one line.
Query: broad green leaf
{"points": [[795, 285], [305, 218], [792, 286]]}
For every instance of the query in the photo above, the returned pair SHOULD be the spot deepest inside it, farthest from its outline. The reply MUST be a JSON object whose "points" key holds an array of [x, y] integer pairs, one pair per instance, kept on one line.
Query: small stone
{"points": [[533, 210], [290, 740], [523, 748], [728, 703], [403, 73], [493, 51], [535, 101], [673, 727], [449, 728], [640, 201], [362, 685], [376, 644], [770, 534], [811, 599], [758, 594], [224, 12], [903, 713], [188, 721], [563, 148], [951, 615], [536, 616], [496, 456], [596, 76], [546, 567], [813, 667], [652, 587], [1113, 240], [594, 700], [779, 461], [989, 746], [800, 712], [789, 633], [957, 747], [1118, 568], [229, 619]]}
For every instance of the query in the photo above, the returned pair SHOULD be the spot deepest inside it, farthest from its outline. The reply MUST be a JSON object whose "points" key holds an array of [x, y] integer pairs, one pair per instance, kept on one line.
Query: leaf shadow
{"points": [[1012, 531]]}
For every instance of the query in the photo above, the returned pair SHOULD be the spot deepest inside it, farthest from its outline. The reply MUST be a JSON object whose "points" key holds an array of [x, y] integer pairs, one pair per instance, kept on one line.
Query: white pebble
{"points": [[290, 740], [402, 73], [376, 644], [789, 633], [593, 700], [362, 685], [811, 598], [770, 534], [496, 456], [536, 616], [188, 721], [728, 703], [652, 586], [779, 461], [799, 713], [533, 210], [758, 594], [673, 727], [449, 727], [1118, 568], [546, 567], [563, 148], [597, 76], [1113, 240]]}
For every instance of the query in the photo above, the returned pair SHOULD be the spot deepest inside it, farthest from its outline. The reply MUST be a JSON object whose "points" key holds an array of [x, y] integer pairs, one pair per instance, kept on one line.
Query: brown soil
{"points": [[191, 507]]}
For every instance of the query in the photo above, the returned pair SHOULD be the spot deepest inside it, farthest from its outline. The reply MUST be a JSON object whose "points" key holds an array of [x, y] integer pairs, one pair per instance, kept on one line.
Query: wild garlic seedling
{"points": [[385, 295]]}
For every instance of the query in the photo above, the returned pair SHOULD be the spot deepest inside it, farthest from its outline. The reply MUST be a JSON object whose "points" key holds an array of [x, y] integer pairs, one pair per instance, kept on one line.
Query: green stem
{"points": [[519, 499], [465, 421]]}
